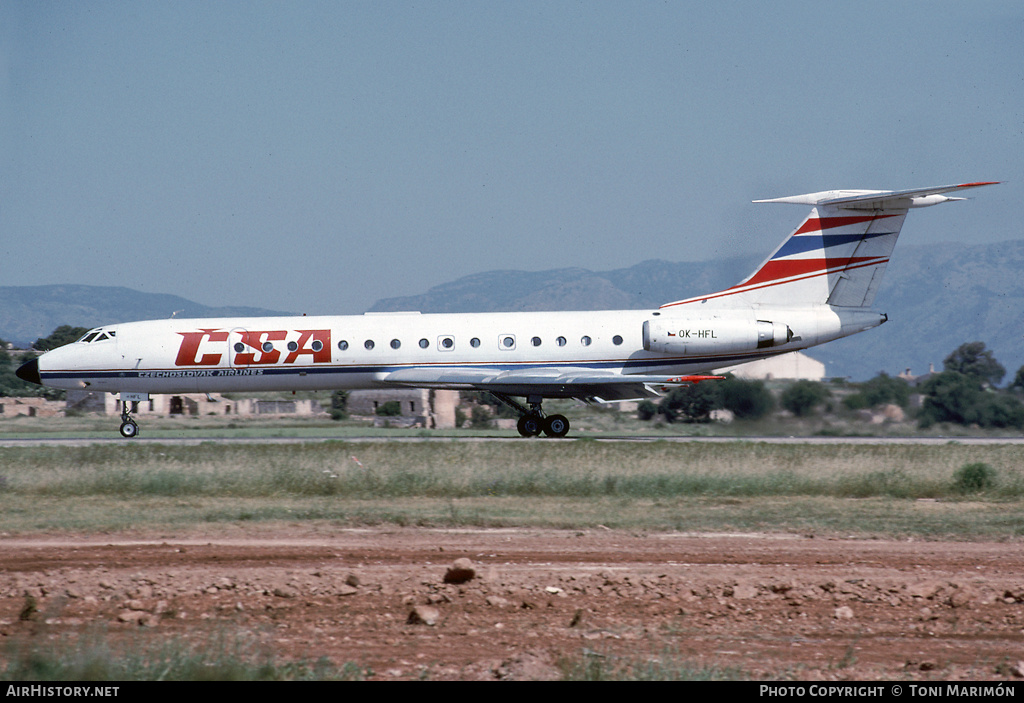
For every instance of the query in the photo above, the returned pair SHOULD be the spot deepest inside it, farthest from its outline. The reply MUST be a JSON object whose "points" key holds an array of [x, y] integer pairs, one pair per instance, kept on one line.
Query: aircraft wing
{"points": [[566, 382]]}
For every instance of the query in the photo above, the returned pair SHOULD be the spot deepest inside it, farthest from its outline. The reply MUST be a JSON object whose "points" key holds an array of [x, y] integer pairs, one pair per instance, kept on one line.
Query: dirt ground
{"points": [[765, 606]]}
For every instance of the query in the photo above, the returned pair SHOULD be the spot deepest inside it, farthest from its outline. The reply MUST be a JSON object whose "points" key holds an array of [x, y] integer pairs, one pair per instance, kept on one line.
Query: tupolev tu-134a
{"points": [[817, 286]]}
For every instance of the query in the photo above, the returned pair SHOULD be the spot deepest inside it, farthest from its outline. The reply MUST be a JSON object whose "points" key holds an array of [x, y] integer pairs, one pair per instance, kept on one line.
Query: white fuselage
{"points": [[360, 351]]}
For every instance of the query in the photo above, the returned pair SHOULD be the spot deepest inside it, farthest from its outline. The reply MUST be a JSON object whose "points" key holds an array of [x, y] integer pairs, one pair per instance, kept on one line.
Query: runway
{"points": [[185, 441]]}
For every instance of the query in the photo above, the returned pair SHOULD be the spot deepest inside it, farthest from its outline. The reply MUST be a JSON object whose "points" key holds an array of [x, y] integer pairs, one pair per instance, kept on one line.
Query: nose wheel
{"points": [[129, 428]]}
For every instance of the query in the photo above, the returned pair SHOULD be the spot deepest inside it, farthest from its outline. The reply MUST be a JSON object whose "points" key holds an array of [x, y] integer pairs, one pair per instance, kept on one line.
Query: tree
{"points": [[12, 386], [802, 397], [480, 417], [691, 403], [879, 390], [974, 360], [1018, 380], [961, 399], [949, 397], [65, 334], [747, 400], [391, 408], [498, 408], [339, 405], [1000, 410], [645, 410]]}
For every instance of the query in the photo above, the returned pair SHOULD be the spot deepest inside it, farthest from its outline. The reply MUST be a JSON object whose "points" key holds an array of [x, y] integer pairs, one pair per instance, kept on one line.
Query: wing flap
{"points": [[584, 384]]}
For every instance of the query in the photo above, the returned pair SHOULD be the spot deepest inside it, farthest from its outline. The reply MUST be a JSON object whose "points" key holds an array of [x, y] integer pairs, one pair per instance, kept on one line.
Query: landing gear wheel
{"points": [[556, 426], [529, 425], [129, 429]]}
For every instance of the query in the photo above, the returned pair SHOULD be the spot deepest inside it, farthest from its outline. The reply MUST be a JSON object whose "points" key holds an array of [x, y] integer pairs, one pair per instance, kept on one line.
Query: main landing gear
{"points": [[532, 420], [129, 428]]}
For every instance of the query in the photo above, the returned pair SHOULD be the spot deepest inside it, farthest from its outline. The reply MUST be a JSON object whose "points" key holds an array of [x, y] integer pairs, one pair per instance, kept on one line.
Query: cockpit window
{"points": [[97, 336]]}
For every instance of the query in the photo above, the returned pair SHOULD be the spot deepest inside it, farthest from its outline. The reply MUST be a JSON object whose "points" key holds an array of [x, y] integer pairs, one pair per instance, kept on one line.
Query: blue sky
{"points": [[315, 157]]}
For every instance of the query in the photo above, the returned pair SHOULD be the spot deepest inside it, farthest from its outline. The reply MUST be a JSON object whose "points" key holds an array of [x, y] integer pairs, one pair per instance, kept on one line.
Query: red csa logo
{"points": [[188, 352], [253, 347]]}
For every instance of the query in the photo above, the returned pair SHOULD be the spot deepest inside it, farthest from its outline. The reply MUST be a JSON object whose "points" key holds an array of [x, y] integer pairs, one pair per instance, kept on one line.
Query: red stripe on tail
{"points": [[816, 224]]}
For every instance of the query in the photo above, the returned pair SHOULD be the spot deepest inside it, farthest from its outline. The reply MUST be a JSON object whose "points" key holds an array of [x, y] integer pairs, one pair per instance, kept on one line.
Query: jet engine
{"points": [[713, 335]]}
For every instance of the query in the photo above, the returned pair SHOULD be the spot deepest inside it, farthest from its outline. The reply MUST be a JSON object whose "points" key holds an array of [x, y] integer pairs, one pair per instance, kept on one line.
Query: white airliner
{"points": [[817, 286]]}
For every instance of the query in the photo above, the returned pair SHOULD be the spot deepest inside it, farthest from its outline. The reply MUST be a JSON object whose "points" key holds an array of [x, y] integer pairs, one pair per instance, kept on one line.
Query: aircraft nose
{"points": [[29, 371]]}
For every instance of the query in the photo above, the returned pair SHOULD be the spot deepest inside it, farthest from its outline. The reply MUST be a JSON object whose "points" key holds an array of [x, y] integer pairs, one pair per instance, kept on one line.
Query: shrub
{"points": [[692, 403], [802, 397], [955, 397], [339, 405], [645, 410], [974, 478], [747, 400], [392, 408], [480, 418], [878, 391]]}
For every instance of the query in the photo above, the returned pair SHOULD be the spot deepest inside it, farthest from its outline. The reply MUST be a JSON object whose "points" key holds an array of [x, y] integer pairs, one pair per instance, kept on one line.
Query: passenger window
{"points": [[445, 343], [267, 347], [507, 342], [535, 341], [474, 342], [395, 344], [424, 344], [560, 341], [239, 347], [585, 341], [317, 345], [342, 345], [617, 339], [292, 346], [368, 344]]}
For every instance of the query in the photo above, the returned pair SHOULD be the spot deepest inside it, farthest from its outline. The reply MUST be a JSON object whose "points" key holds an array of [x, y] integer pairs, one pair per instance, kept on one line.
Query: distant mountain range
{"points": [[937, 298], [30, 312]]}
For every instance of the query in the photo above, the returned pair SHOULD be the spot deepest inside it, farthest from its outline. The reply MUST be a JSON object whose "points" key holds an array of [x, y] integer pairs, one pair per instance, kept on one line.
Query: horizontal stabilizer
{"points": [[879, 199]]}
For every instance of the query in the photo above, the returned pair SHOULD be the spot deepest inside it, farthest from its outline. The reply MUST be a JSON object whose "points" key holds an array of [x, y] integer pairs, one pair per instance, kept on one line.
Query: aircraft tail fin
{"points": [[838, 254]]}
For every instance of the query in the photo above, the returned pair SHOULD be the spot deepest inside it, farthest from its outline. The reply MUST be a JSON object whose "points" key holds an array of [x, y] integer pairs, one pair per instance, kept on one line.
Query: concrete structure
{"points": [[794, 366], [423, 408], [193, 404], [913, 380], [30, 407], [420, 407]]}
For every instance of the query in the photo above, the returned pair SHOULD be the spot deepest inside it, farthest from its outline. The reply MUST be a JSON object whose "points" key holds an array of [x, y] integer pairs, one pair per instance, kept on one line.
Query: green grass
{"points": [[731, 486], [96, 656], [667, 666]]}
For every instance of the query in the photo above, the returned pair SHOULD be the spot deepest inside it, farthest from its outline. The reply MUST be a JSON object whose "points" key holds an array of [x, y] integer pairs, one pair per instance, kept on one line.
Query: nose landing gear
{"points": [[129, 428]]}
